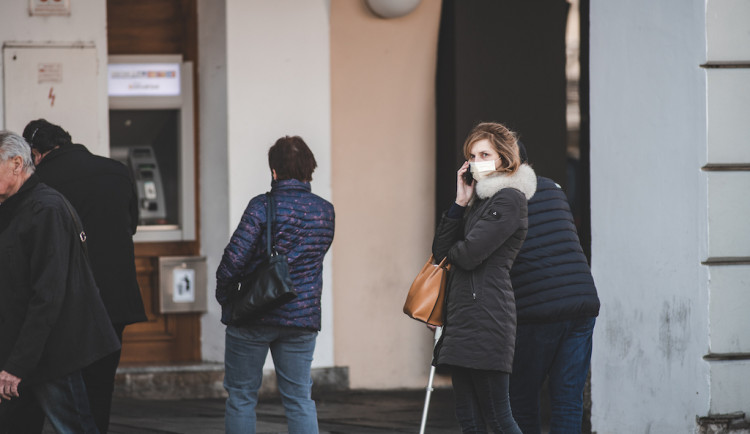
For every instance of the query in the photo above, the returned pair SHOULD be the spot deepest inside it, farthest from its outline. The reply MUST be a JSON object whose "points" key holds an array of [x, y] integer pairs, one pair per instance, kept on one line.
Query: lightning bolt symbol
{"points": [[51, 96]]}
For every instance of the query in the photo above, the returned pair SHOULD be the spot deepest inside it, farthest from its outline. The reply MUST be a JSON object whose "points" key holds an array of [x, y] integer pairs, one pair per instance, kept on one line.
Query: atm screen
{"points": [[147, 141]]}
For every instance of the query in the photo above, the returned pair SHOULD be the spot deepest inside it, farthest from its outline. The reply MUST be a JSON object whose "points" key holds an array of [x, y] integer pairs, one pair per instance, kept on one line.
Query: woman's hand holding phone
{"points": [[468, 177], [464, 185]]}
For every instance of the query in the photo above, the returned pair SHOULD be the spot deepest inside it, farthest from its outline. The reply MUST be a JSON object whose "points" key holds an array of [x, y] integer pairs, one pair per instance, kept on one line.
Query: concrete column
{"points": [[277, 83], [648, 213]]}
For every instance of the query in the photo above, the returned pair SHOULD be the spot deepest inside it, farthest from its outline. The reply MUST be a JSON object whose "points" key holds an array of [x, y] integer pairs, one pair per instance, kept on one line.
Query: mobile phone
{"points": [[468, 178]]}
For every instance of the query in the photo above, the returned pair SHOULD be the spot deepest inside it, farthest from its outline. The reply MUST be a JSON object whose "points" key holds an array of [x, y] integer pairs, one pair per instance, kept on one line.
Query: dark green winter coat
{"points": [[480, 320]]}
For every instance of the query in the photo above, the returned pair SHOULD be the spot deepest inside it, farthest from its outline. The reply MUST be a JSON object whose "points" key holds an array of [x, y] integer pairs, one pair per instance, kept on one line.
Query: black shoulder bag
{"points": [[269, 286]]}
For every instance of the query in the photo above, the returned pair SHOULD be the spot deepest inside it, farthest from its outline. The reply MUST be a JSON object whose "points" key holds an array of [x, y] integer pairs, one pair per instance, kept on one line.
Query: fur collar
{"points": [[524, 180]]}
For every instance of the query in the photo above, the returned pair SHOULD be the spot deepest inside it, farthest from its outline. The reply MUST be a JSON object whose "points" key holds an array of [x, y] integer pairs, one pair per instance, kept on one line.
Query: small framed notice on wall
{"points": [[49, 7]]}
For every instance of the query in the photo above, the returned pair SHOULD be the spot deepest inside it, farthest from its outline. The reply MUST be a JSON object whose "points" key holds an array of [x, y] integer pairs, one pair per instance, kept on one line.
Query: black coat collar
{"points": [[61, 151], [8, 208]]}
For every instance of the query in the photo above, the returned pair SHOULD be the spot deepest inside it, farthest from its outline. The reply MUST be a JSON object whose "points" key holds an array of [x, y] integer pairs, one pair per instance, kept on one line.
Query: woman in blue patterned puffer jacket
{"points": [[303, 231]]}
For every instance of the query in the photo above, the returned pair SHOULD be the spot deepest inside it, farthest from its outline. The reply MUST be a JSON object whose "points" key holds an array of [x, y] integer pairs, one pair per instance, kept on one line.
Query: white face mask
{"points": [[480, 169]]}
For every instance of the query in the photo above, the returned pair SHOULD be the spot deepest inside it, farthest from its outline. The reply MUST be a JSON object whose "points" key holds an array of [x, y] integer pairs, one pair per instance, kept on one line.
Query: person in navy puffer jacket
{"points": [[556, 308], [303, 229]]}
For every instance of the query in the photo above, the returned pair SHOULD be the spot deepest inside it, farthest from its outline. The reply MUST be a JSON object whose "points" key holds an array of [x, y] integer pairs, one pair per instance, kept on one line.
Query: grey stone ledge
{"points": [[193, 367]]}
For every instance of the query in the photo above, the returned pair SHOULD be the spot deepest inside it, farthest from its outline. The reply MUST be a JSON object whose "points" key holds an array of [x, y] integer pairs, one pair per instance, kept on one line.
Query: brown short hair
{"points": [[292, 159], [503, 140]]}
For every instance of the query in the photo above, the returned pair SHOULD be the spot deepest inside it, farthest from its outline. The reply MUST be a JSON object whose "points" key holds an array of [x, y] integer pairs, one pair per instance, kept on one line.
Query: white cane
{"points": [[438, 332]]}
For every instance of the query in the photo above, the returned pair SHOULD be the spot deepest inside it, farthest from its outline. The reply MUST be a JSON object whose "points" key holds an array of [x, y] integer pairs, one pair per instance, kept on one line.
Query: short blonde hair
{"points": [[503, 140]]}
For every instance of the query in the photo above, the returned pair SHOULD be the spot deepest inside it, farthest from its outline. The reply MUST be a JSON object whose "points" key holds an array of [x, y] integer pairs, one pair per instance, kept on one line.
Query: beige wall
{"points": [[383, 159]]}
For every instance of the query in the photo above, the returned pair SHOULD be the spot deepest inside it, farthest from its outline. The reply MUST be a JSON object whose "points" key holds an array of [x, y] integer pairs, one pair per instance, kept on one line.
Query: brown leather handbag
{"points": [[426, 296]]}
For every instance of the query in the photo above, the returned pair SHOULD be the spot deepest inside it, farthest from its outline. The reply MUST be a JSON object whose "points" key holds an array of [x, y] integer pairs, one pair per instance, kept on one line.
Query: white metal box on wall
{"points": [[182, 284], [54, 82]]}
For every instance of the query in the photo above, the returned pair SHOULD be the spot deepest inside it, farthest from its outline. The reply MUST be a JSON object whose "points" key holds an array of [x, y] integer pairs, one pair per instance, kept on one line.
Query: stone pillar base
{"points": [[734, 423]]}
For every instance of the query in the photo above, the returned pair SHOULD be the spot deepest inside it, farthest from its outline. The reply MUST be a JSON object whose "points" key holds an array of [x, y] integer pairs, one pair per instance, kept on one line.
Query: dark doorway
{"points": [[516, 63], [501, 61], [520, 64]]}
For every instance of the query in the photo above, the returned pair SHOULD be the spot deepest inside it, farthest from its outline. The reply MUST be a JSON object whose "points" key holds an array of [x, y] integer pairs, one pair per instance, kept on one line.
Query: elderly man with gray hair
{"points": [[53, 320]]}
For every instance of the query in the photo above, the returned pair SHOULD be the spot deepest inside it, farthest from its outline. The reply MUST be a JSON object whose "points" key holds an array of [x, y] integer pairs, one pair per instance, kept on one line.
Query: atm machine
{"points": [[151, 131], [146, 171]]}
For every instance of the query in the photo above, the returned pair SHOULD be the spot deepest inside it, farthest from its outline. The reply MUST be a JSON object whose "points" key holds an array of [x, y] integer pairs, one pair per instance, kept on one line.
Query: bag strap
{"points": [[270, 218], [441, 264], [79, 229]]}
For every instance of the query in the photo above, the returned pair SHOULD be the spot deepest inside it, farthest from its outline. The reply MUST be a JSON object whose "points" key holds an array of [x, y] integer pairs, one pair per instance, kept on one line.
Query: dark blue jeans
{"points": [[245, 353], [481, 399], [63, 400], [562, 351], [99, 378]]}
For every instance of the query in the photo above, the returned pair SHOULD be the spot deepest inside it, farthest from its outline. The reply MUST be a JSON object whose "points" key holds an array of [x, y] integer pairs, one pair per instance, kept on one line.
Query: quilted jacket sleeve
{"points": [[239, 252]]}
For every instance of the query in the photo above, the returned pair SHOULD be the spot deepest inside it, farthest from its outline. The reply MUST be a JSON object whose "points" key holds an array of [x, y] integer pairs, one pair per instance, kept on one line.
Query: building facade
{"points": [[670, 160]]}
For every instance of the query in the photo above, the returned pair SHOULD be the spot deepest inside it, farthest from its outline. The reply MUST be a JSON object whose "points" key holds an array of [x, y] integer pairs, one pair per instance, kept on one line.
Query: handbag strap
{"points": [[270, 218], [434, 262], [79, 229]]}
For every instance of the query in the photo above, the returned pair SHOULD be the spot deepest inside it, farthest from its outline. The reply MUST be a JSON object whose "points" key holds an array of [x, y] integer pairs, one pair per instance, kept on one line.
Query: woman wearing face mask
{"points": [[481, 234]]}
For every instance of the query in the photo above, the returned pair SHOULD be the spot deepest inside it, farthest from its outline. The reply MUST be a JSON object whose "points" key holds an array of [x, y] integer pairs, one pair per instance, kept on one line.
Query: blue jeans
{"points": [[482, 398], [562, 351], [99, 378], [244, 356], [63, 400]]}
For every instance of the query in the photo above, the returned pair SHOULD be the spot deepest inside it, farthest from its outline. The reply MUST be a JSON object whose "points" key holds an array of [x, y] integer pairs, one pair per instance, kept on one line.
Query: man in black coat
{"points": [[102, 192], [556, 308], [52, 320]]}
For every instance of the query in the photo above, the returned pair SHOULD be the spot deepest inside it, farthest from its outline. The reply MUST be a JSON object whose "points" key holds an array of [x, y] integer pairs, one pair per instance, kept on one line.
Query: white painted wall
{"points": [[214, 162], [728, 108], [86, 24], [278, 83], [727, 33], [648, 209]]}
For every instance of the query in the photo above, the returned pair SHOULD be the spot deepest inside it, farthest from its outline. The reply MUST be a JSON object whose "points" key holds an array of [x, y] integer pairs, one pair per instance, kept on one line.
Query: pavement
{"points": [[339, 412]]}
